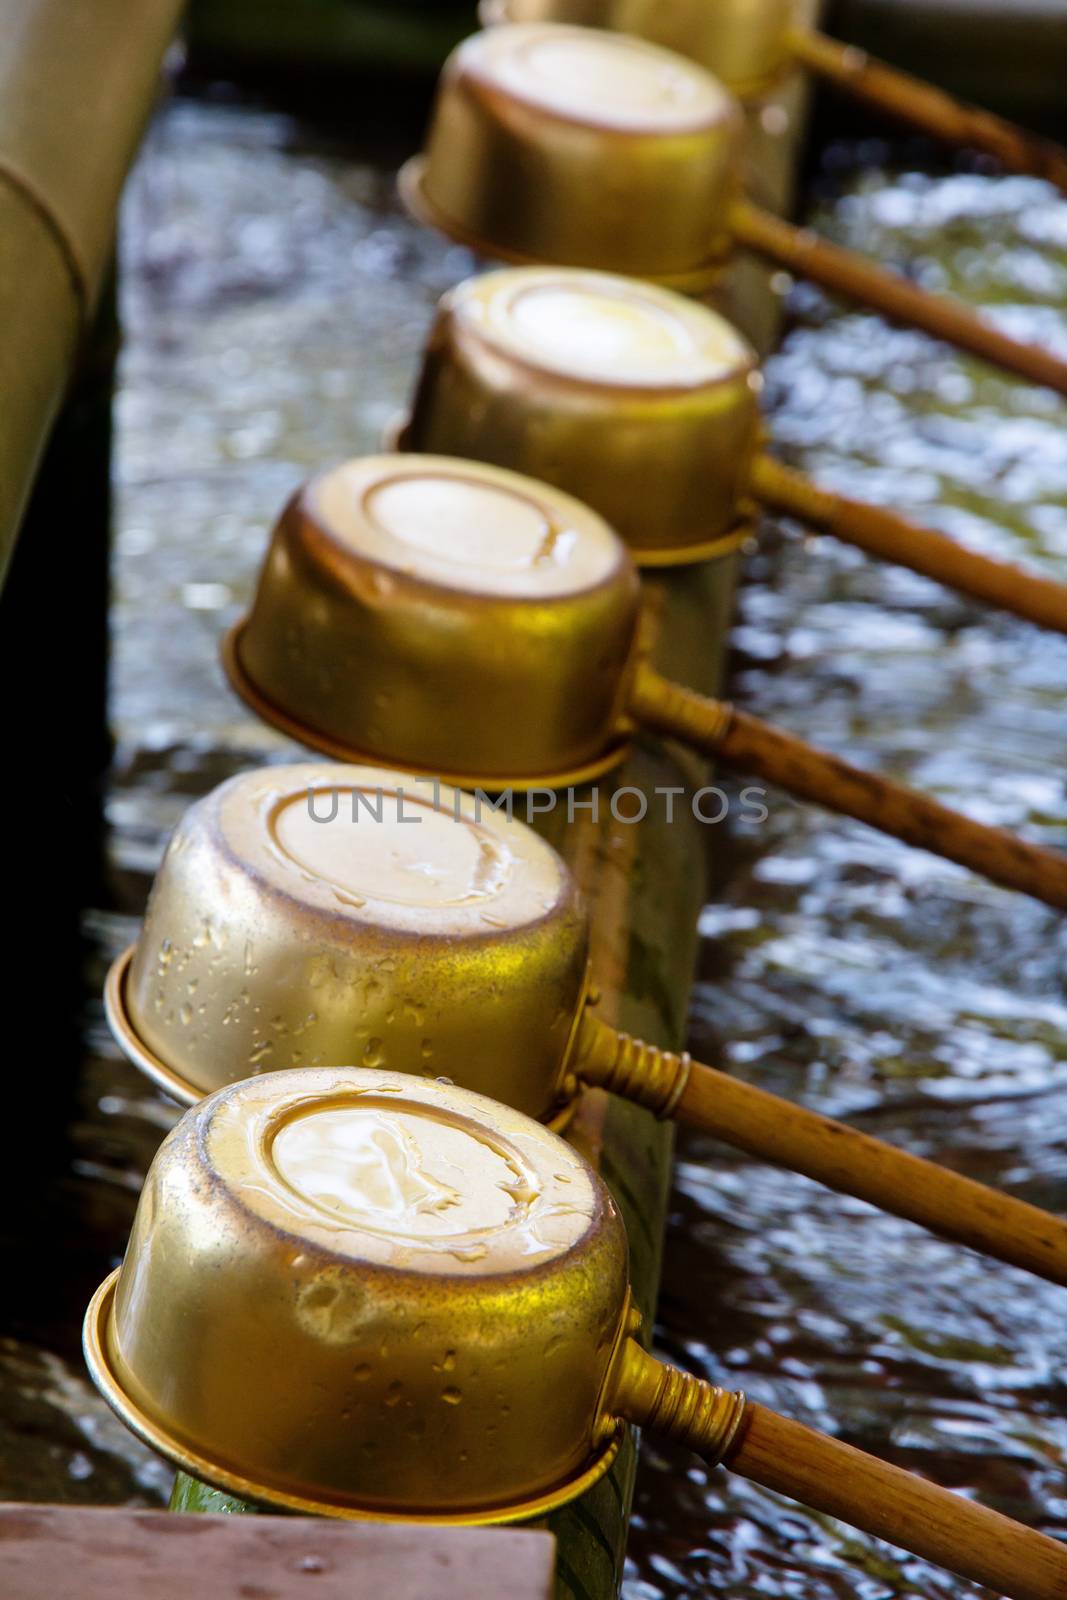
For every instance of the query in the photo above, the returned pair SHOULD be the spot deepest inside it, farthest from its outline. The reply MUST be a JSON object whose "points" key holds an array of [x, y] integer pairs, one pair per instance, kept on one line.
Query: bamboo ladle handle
{"points": [[929, 109], [851, 276], [830, 1152], [893, 538], [835, 1478], [759, 748]]}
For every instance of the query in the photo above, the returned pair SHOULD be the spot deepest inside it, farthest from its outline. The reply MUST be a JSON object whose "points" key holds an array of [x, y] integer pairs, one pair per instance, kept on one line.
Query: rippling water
{"points": [[869, 980], [275, 304]]}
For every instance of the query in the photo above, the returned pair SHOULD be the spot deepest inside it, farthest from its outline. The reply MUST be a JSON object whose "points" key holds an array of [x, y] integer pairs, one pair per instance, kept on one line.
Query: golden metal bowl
{"points": [[743, 43], [352, 1292], [581, 147], [357, 1294], [447, 617], [311, 915], [638, 401]]}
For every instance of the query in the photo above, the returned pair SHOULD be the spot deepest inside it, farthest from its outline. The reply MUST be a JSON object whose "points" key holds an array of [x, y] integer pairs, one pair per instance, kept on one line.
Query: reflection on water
{"points": [[869, 980], [275, 304]]}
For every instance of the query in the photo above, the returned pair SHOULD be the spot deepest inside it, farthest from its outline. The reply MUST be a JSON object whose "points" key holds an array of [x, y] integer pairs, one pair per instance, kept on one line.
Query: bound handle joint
{"points": [[643, 1073], [675, 1404], [680, 713]]}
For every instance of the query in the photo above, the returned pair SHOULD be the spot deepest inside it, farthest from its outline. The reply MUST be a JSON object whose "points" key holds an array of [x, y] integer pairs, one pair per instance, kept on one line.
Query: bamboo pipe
{"points": [[756, 747], [929, 109], [827, 1151], [894, 538], [833, 1477], [852, 277], [63, 159]]}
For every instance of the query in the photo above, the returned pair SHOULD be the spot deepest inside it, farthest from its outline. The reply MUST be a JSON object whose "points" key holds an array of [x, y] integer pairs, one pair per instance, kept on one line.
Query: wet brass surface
{"points": [[581, 147], [484, 626], [349, 750], [366, 1294], [641, 403], [744, 43], [415, 931]]}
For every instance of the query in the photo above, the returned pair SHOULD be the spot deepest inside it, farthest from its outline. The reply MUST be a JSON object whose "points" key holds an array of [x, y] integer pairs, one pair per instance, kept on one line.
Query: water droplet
{"points": [[451, 1396]]}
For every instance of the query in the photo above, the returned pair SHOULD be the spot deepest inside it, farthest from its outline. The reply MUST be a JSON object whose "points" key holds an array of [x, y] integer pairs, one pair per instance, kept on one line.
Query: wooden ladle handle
{"points": [[931, 110], [890, 537], [772, 1129], [837, 1479], [844, 273], [759, 748]]}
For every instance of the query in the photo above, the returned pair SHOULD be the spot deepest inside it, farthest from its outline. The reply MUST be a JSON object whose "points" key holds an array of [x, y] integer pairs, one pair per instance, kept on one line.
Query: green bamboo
{"points": [[77, 82]]}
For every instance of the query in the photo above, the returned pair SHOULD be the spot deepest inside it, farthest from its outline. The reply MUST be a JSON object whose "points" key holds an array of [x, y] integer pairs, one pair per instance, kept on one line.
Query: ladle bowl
{"points": [[360, 1294], [752, 45], [314, 914], [592, 149], [644, 404], [638, 401], [447, 617]]}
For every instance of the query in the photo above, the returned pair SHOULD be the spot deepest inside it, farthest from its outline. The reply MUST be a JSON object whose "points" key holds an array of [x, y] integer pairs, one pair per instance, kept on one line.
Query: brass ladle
{"points": [[312, 915], [356, 1294], [750, 46], [592, 149], [464, 621], [645, 405]]}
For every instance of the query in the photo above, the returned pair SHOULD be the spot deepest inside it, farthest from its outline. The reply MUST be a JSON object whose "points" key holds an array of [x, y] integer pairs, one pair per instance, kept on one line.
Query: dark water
{"points": [[275, 304], [867, 979]]}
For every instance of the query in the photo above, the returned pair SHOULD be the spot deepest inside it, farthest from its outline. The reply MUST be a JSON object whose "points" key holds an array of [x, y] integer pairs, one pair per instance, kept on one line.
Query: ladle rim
{"points": [[187, 1094], [230, 1481], [489, 783], [411, 186]]}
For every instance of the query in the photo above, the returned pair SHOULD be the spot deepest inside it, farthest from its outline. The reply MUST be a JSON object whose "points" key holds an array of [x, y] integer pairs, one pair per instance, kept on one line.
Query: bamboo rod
{"points": [[756, 747], [893, 538], [852, 277], [829, 1152], [836, 1478], [931, 110]]}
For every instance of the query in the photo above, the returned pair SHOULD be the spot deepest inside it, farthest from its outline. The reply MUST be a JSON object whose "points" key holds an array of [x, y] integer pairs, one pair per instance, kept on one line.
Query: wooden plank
{"points": [[79, 1553]]}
